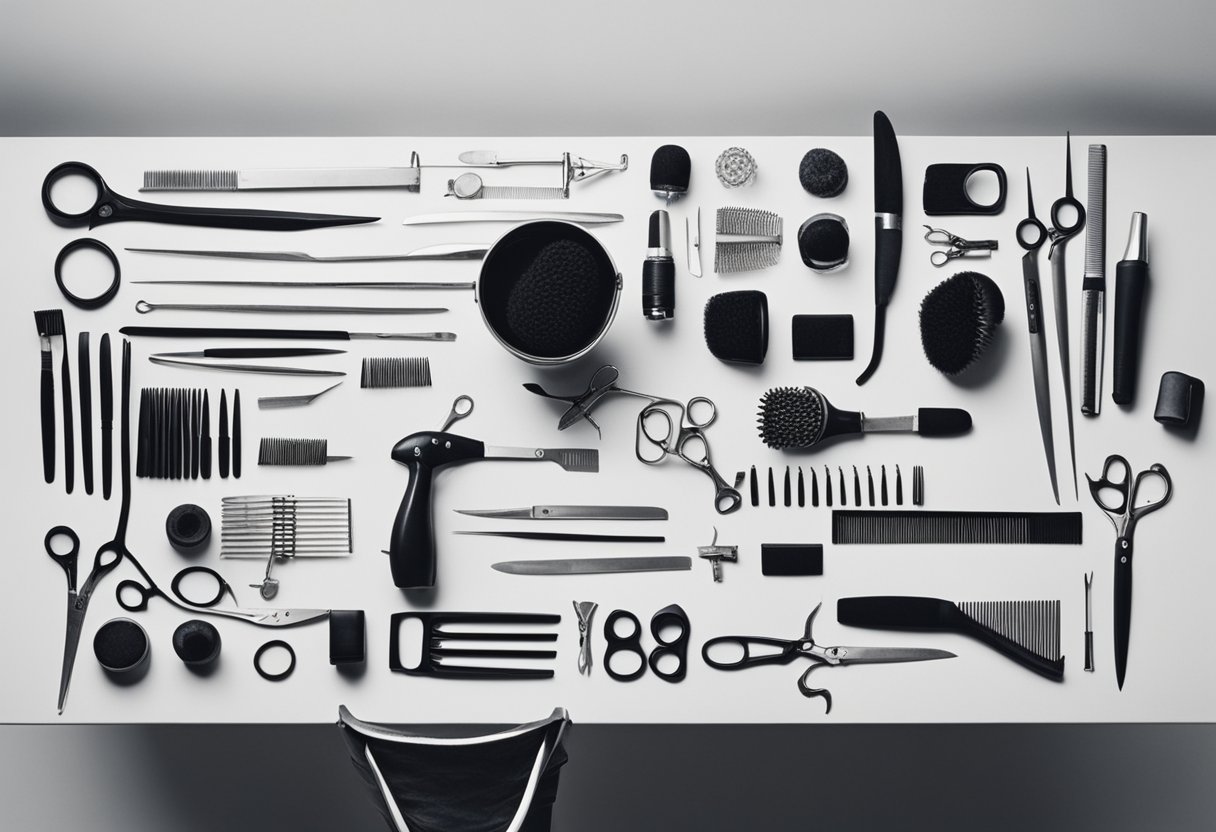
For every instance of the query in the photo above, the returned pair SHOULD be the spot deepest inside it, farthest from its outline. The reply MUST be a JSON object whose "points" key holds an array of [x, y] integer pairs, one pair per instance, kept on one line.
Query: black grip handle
{"points": [[888, 244], [48, 419], [69, 432], [942, 421], [658, 287], [412, 545], [1131, 277], [1123, 605], [897, 611]]}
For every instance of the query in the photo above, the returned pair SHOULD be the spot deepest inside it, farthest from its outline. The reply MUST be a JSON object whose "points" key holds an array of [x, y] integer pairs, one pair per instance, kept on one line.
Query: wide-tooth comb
{"points": [[746, 239], [1026, 631], [279, 451], [947, 527], [395, 371], [437, 659]]}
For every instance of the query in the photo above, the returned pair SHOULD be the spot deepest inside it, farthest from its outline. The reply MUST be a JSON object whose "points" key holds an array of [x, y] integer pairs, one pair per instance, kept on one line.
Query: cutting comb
{"points": [[1026, 631], [443, 633], [395, 372], [746, 239], [944, 527], [278, 451]]}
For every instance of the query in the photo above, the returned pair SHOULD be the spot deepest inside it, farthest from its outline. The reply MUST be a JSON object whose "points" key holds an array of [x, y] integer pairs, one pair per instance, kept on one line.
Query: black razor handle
{"points": [[48, 416], [69, 443], [84, 367], [1131, 277], [411, 551], [106, 394]]}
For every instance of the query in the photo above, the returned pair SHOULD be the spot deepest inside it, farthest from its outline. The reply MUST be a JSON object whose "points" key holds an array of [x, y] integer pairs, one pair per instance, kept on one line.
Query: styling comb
{"points": [[50, 324], [1026, 631], [746, 239], [279, 451], [1034, 527], [395, 371], [443, 655]]}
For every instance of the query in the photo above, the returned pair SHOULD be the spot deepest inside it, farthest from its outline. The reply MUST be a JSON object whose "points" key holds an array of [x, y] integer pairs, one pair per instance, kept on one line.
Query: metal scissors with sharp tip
{"points": [[109, 206], [956, 246], [603, 383], [1124, 514], [683, 435], [805, 648]]}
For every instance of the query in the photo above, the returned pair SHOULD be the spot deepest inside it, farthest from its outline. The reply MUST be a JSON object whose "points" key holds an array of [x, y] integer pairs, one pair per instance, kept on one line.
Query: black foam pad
{"points": [[823, 173], [670, 168], [736, 326], [791, 558], [823, 337], [347, 637]]}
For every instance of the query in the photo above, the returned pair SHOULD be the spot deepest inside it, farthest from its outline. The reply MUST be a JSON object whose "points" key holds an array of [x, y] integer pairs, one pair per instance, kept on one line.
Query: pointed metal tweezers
{"points": [[584, 610], [445, 251]]}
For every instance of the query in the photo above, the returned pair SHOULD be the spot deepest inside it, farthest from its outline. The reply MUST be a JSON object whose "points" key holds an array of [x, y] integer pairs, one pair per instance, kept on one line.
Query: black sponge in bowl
{"points": [[823, 242], [736, 326], [823, 173], [958, 320]]}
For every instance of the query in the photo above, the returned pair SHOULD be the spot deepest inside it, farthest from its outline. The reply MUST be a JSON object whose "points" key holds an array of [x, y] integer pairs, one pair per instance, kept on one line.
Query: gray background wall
{"points": [[375, 67]]}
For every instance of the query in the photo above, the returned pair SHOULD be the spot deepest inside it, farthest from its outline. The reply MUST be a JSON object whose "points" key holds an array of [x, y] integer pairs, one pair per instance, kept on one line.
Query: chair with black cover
{"points": [[501, 782]]}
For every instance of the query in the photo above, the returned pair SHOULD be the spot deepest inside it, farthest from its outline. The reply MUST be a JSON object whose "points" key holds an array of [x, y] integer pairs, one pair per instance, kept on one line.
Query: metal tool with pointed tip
{"points": [[1093, 287], [446, 251], [412, 546], [594, 566], [262, 369], [584, 610], [692, 237], [578, 217], [317, 284], [143, 308], [787, 650], [571, 537], [290, 334], [888, 229], [715, 554], [571, 513], [282, 179], [278, 402]]}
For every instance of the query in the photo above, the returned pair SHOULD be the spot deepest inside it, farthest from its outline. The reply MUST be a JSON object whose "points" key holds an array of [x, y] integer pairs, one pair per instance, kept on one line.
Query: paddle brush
{"points": [[802, 417], [959, 319]]}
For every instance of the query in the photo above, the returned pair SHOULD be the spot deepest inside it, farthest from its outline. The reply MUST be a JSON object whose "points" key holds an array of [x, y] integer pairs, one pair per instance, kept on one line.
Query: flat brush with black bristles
{"points": [[746, 239], [1026, 631], [395, 372], [277, 451], [802, 417], [50, 325]]}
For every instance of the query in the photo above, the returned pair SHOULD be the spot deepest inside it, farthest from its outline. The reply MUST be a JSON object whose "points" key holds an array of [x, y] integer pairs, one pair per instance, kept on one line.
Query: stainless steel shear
{"points": [[683, 435], [956, 246], [603, 383]]}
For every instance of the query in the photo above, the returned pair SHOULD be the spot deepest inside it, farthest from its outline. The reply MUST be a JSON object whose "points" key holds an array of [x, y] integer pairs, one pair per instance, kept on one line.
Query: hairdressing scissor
{"points": [[806, 648], [112, 207], [267, 617], [1123, 515], [683, 435]]}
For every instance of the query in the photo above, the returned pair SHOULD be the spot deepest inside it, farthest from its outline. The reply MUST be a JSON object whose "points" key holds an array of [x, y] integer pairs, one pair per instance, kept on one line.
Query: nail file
{"points": [[946, 527]]}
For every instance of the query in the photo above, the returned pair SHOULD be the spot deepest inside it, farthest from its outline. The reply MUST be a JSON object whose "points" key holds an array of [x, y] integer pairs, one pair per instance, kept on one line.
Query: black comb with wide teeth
{"points": [[456, 650]]}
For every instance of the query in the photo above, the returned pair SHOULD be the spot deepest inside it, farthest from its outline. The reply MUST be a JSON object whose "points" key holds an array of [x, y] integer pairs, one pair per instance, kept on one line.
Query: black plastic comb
{"points": [[441, 654]]}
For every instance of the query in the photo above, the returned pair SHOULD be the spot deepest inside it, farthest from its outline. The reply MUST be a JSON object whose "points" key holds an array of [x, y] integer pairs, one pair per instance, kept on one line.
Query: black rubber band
{"points": [[274, 677], [106, 296], [220, 589]]}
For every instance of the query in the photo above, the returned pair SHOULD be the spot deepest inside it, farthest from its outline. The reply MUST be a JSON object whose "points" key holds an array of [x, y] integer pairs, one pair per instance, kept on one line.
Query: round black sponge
{"points": [[823, 173], [823, 242], [958, 320]]}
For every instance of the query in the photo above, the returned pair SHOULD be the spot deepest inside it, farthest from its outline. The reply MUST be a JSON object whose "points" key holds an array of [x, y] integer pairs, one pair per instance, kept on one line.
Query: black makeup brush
{"points": [[958, 320], [801, 417]]}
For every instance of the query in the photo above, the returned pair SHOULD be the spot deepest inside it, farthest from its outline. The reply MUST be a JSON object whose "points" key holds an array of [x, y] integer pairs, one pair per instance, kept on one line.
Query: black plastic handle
{"points": [[888, 245], [942, 421], [744, 643], [412, 545], [48, 419], [897, 611], [1131, 277], [1123, 605]]}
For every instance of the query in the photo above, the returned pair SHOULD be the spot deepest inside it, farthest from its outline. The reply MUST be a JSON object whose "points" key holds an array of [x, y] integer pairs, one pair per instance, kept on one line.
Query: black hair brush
{"points": [[802, 417], [958, 320]]}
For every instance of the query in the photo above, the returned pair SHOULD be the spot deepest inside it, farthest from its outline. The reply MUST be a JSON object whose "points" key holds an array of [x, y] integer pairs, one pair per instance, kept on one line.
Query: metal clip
{"points": [[956, 246], [715, 554], [584, 610]]}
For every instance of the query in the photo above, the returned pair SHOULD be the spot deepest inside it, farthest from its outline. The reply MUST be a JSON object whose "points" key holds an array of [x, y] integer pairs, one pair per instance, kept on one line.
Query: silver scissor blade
{"points": [[71, 642], [490, 159], [571, 513], [446, 251], [1038, 363], [580, 217], [571, 459], [878, 655], [1058, 258], [594, 566], [268, 179]]}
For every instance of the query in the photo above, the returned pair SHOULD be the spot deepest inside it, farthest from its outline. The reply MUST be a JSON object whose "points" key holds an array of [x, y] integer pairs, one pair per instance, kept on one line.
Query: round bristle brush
{"points": [[958, 320], [802, 417]]}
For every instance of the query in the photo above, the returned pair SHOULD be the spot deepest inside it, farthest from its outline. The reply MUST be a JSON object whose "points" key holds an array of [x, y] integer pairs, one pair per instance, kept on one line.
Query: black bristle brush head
{"points": [[823, 173], [670, 169], [959, 319], [736, 326], [792, 417]]}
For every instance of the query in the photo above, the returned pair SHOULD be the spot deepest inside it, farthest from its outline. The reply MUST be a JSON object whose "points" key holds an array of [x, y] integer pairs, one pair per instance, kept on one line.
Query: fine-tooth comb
{"points": [[1062, 527], [1026, 631], [279, 451], [746, 239], [395, 372], [437, 658]]}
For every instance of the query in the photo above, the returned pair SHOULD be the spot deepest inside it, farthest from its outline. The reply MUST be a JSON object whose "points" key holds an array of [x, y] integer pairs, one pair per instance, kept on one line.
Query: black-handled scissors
{"points": [[805, 648], [683, 435], [106, 559], [602, 384], [1124, 515], [112, 207], [267, 617]]}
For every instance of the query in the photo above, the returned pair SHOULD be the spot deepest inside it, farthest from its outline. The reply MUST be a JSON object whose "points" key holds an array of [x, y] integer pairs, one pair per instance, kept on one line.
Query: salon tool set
{"points": [[1028, 632], [451, 644], [735, 653], [446, 251], [412, 547], [950, 527]]}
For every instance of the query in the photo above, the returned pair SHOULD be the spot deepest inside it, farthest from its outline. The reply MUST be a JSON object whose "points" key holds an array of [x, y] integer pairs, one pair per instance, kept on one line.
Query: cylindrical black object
{"points": [[1131, 276], [347, 637], [197, 643], [121, 646], [548, 291], [188, 528], [670, 169], [659, 271]]}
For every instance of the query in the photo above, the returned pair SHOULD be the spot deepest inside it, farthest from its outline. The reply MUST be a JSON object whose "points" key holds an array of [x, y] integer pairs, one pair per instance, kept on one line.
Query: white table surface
{"points": [[998, 466]]}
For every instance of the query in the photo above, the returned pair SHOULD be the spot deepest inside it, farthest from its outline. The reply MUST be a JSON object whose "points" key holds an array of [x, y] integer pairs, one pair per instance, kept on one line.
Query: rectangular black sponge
{"points": [[791, 558], [823, 337]]}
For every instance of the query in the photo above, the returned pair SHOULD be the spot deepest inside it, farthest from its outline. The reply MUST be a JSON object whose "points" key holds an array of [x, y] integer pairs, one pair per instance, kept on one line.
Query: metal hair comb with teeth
{"points": [[746, 239], [277, 451], [395, 371]]}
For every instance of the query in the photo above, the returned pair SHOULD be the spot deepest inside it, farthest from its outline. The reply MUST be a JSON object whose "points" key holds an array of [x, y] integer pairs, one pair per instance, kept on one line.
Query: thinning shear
{"points": [[956, 246], [805, 648], [1124, 515], [683, 435], [109, 206], [263, 617]]}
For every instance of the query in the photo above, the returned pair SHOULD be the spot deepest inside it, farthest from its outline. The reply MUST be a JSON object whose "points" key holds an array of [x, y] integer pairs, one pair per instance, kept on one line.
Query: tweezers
{"points": [[264, 369]]}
